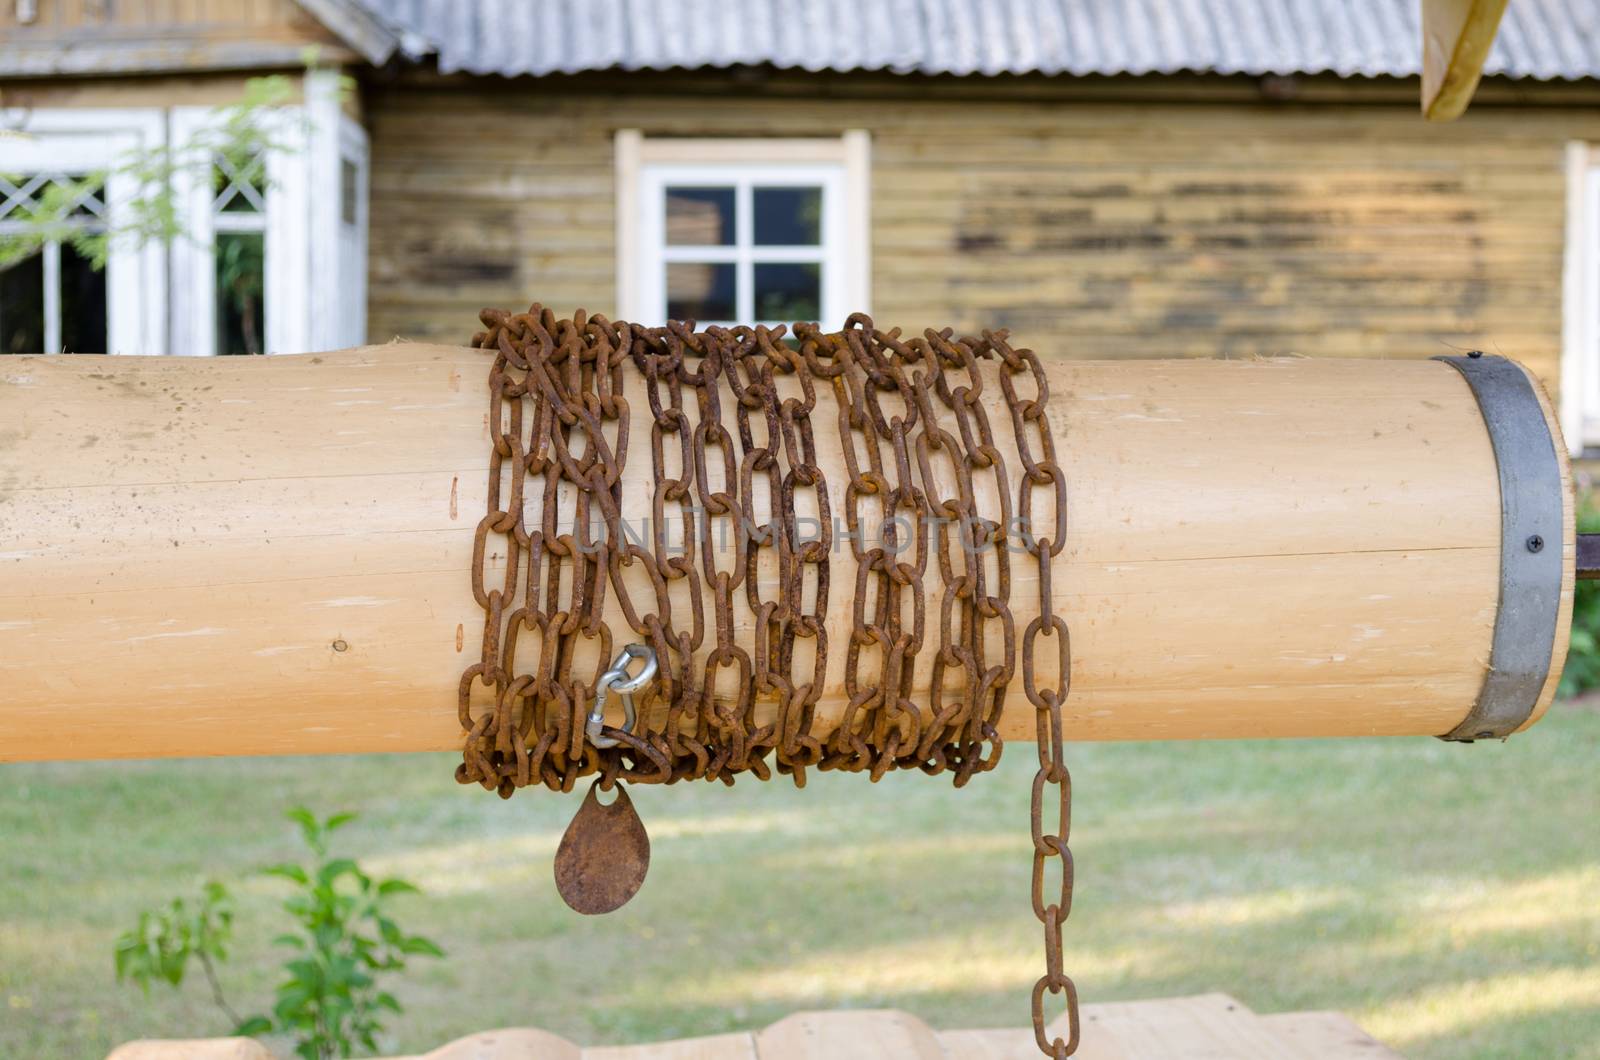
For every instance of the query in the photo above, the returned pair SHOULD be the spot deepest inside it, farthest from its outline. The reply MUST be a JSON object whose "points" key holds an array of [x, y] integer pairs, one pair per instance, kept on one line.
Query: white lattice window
{"points": [[273, 252], [56, 300], [239, 253], [277, 262], [742, 231]]}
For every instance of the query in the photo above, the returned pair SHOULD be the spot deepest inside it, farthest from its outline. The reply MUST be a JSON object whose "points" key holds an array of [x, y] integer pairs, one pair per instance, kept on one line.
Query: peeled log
{"points": [[1456, 38], [271, 555]]}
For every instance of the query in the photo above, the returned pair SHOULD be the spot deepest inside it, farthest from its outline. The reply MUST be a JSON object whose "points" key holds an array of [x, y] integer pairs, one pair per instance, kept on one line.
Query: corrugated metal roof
{"points": [[1538, 38]]}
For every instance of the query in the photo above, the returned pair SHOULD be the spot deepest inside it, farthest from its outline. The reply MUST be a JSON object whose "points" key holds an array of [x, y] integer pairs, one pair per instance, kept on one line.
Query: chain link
{"points": [[1052, 779], [731, 423]]}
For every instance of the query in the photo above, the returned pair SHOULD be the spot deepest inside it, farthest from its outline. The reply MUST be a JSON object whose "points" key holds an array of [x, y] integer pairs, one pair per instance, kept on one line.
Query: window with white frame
{"points": [[55, 299], [742, 231], [272, 255], [277, 262], [1580, 353], [239, 252]]}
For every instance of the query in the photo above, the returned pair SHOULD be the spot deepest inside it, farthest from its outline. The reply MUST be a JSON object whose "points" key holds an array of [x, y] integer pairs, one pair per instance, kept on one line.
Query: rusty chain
{"points": [[559, 419]]}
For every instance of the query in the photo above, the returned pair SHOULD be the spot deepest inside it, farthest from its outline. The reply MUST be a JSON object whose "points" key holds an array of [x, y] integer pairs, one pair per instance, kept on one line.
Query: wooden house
{"points": [[1148, 178]]}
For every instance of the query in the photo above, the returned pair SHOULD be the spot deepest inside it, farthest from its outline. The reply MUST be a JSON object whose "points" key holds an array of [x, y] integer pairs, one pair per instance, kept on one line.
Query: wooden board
{"points": [[1144, 226], [1456, 37], [1205, 1027], [1313, 1035], [91, 37]]}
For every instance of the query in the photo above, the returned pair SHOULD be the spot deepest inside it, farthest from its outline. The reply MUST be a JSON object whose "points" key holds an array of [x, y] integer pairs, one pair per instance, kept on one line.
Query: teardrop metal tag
{"points": [[604, 854]]}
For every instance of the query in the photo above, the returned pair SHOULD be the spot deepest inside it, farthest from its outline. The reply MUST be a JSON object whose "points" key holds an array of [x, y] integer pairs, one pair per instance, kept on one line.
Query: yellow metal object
{"points": [[1456, 37]]}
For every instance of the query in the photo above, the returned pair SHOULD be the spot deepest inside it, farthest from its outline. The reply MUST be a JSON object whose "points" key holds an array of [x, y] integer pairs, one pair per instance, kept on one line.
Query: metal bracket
{"points": [[616, 680], [1532, 532]]}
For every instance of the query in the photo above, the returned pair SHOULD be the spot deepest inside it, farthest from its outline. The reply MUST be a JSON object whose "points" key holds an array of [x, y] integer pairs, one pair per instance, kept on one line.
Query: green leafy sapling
{"points": [[1582, 672], [160, 946], [343, 941]]}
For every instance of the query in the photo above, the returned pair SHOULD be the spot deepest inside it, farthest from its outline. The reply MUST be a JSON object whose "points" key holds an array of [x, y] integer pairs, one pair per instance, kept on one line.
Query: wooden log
{"points": [[1456, 38], [1202, 1025], [271, 555]]}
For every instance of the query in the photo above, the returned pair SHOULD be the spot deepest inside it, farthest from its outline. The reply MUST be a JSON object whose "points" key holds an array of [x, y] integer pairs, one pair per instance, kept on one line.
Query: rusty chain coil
{"points": [[559, 422]]}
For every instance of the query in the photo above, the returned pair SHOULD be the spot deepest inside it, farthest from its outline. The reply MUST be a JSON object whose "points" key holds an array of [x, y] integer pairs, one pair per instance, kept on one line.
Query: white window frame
{"points": [[646, 166], [1580, 326], [194, 298], [345, 321], [314, 290], [86, 140], [336, 295]]}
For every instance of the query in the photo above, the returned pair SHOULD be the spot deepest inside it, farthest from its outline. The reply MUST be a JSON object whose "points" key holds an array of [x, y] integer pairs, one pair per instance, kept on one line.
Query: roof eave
{"points": [[358, 27]]}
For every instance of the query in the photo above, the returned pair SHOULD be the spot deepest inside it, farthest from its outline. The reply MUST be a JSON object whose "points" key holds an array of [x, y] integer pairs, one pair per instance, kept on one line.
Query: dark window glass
{"points": [[700, 291], [788, 217], [239, 203], [788, 291], [347, 191], [22, 306], [700, 217], [83, 304], [240, 283]]}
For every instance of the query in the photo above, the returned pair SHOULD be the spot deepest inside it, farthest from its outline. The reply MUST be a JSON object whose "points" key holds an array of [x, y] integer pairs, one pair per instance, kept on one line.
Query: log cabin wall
{"points": [[1095, 219], [200, 89], [78, 37]]}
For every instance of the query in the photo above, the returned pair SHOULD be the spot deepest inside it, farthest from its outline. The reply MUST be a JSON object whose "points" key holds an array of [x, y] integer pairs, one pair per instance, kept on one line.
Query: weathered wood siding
{"points": [[1092, 229], [74, 16], [178, 90], [100, 36]]}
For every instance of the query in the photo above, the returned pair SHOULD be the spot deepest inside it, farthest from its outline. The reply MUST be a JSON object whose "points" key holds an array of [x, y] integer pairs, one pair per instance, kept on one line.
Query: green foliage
{"points": [[344, 938], [160, 946], [1583, 655], [46, 220]]}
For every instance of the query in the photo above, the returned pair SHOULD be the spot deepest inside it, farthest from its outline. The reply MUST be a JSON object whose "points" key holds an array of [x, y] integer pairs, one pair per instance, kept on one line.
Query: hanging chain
{"points": [[1043, 474], [733, 465], [731, 433]]}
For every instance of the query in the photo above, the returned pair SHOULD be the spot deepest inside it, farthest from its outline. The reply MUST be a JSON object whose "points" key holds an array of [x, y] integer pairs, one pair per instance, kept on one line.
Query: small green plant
{"points": [[1583, 655], [160, 946], [344, 938]]}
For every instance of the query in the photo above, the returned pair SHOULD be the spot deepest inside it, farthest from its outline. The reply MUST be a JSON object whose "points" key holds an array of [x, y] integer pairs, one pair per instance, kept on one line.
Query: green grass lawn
{"points": [[1448, 897]]}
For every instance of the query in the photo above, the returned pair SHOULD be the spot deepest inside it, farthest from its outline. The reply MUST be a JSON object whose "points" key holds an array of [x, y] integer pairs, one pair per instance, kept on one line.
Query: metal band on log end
{"points": [[1532, 529]]}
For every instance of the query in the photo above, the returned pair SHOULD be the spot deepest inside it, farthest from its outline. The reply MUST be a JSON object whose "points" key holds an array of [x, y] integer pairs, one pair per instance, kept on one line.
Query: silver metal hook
{"points": [[616, 679]]}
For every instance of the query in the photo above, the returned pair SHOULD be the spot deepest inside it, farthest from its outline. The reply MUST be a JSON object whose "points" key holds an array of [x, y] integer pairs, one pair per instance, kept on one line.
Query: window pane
{"points": [[22, 306], [698, 291], [700, 217], [788, 291], [240, 273], [69, 196], [239, 184], [347, 191], [83, 304], [788, 217], [83, 197], [15, 192]]}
